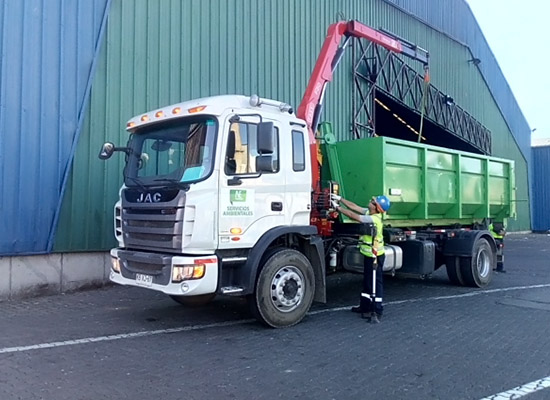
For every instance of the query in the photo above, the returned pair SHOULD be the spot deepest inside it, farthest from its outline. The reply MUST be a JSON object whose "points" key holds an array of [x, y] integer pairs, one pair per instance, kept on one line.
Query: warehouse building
{"points": [[541, 185], [72, 74]]}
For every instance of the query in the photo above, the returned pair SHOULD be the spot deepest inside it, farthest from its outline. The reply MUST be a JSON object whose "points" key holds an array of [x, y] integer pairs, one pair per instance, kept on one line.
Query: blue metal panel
{"points": [[47, 50], [541, 188]]}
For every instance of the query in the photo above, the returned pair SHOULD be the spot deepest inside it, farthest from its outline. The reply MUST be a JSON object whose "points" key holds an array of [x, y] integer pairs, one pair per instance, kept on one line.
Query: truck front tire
{"points": [[284, 290], [477, 270]]}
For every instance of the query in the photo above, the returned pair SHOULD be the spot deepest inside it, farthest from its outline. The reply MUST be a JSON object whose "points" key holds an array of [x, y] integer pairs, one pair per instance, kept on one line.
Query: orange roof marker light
{"points": [[176, 110], [144, 118], [196, 109], [159, 114], [130, 125]]}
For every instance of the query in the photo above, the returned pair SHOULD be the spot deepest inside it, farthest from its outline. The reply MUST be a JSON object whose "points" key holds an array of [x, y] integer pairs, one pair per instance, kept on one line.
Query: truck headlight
{"points": [[187, 272], [115, 264]]}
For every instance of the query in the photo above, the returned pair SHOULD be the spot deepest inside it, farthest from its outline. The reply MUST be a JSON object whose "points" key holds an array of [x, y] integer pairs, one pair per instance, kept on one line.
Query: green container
{"points": [[425, 184]]}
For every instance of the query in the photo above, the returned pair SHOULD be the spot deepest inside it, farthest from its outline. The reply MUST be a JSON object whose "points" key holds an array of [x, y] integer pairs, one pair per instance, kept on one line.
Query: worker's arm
{"points": [[353, 215], [352, 206]]}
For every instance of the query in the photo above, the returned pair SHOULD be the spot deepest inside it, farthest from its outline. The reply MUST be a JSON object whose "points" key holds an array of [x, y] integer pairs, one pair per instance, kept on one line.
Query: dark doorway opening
{"points": [[394, 119]]}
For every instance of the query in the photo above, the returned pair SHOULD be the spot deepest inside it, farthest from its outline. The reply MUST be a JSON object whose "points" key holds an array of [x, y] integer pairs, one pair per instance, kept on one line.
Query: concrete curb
{"points": [[31, 276]]}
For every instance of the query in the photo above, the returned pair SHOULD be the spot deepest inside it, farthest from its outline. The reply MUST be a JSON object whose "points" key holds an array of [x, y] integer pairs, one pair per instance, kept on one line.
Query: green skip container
{"points": [[427, 185]]}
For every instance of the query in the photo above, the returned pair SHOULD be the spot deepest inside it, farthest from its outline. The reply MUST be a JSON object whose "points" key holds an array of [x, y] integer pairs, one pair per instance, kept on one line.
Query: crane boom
{"points": [[330, 55]]}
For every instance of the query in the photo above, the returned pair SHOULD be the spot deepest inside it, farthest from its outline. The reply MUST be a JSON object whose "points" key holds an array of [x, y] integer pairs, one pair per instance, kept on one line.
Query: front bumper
{"points": [[157, 269]]}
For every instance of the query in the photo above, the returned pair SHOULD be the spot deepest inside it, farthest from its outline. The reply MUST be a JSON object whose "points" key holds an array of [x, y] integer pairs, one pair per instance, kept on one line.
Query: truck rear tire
{"points": [[194, 301], [454, 273], [284, 290], [477, 270]]}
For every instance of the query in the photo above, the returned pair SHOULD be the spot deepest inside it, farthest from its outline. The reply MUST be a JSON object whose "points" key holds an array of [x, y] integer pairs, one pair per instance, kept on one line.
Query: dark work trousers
{"points": [[365, 302], [500, 255]]}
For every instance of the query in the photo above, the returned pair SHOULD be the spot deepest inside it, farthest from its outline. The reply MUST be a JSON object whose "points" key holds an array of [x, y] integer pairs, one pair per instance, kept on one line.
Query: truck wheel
{"points": [[452, 265], [284, 290], [194, 301], [477, 270]]}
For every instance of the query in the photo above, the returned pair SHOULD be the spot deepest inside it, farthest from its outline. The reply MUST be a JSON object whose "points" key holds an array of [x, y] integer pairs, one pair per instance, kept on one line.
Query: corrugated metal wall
{"points": [[541, 189], [46, 48], [159, 52], [164, 51]]}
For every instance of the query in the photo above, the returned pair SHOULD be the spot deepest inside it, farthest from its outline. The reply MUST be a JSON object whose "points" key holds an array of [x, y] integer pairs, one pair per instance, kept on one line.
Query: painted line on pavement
{"points": [[521, 391], [122, 336], [434, 298], [132, 335]]}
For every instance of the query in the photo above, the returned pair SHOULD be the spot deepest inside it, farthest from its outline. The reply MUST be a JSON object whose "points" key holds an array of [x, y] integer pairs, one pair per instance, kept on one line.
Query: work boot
{"points": [[374, 319], [500, 267], [364, 314], [358, 310]]}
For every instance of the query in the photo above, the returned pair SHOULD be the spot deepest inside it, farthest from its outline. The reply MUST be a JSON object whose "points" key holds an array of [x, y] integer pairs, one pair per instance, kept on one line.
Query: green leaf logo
{"points": [[237, 196]]}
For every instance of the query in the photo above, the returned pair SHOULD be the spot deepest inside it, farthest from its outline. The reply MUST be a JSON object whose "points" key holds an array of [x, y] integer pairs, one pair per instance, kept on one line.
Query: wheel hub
{"points": [[483, 263], [287, 288]]}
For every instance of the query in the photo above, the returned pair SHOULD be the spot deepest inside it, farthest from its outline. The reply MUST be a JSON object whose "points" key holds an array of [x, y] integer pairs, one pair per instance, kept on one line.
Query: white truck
{"points": [[223, 195]]}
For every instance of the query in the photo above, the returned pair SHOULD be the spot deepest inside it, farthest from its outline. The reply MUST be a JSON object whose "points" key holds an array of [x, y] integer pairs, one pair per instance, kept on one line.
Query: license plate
{"points": [[144, 280]]}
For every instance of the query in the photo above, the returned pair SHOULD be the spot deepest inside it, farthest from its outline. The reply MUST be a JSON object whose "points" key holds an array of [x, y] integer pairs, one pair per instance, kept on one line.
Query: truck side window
{"points": [[242, 150], [298, 151]]}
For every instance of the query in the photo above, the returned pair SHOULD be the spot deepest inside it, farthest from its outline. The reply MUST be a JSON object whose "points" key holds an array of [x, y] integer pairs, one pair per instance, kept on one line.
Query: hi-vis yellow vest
{"points": [[494, 233], [365, 241]]}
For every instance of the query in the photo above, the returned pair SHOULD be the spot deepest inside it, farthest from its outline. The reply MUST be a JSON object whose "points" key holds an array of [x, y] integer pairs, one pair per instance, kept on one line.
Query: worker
{"points": [[498, 232], [372, 249]]}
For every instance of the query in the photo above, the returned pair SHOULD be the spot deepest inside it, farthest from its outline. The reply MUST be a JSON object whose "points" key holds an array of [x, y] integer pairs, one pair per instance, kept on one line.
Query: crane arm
{"points": [[331, 53], [330, 56]]}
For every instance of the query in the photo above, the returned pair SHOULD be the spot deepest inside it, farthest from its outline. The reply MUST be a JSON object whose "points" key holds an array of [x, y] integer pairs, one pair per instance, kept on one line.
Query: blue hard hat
{"points": [[383, 202]]}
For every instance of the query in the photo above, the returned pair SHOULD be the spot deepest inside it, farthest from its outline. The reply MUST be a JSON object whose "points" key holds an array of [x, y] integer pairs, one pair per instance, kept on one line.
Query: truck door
{"points": [[296, 163], [251, 203]]}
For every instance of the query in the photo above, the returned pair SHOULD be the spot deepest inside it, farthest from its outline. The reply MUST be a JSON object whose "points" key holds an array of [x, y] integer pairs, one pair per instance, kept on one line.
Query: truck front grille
{"points": [[150, 224], [153, 226]]}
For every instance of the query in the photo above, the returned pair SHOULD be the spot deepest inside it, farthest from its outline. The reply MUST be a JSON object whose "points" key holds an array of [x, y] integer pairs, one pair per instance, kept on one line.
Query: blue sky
{"points": [[518, 33]]}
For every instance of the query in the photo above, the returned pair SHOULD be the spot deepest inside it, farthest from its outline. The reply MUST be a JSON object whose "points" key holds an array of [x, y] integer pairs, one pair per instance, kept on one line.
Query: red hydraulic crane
{"points": [[331, 53]]}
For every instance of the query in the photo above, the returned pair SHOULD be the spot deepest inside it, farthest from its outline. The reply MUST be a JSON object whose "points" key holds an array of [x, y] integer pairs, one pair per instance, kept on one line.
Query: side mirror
{"points": [[161, 145], [265, 138], [265, 164], [107, 151]]}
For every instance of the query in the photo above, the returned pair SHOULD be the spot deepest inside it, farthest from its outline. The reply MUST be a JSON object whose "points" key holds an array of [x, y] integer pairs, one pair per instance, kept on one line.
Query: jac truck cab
{"points": [[209, 186]]}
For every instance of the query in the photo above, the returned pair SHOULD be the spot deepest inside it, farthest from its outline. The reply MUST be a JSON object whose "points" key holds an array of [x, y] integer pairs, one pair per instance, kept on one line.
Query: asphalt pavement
{"points": [[436, 341]]}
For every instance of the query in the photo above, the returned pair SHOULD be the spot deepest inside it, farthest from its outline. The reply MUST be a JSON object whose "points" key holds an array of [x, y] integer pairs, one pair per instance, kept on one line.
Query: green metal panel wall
{"points": [[160, 52]]}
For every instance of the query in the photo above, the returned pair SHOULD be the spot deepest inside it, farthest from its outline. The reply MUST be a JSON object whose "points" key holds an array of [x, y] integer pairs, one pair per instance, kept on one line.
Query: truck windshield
{"points": [[173, 152]]}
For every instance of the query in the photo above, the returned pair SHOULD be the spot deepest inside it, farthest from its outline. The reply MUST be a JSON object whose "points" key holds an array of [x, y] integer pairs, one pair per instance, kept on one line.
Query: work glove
{"points": [[335, 197], [334, 204]]}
